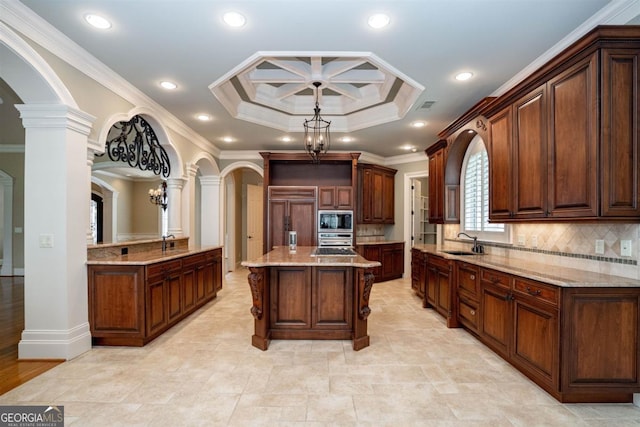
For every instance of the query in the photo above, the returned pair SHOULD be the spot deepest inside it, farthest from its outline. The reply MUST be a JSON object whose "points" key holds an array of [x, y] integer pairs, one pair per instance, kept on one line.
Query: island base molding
{"points": [[310, 303]]}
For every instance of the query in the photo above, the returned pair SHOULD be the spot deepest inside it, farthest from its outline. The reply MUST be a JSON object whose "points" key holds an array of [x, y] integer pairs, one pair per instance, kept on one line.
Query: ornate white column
{"points": [[174, 205], [210, 210], [56, 215]]}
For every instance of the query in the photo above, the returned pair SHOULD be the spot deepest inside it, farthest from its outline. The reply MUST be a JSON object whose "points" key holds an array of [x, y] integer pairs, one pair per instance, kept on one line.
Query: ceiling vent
{"points": [[426, 105]]}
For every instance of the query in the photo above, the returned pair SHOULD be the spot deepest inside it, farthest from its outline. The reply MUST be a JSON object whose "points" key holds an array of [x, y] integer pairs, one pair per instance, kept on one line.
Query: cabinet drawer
{"points": [[468, 312], [537, 290], [496, 278], [468, 279], [192, 260], [437, 261], [162, 268]]}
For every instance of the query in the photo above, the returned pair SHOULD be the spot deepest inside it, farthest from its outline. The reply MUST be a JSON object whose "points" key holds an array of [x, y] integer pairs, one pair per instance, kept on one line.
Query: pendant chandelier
{"points": [[316, 132]]}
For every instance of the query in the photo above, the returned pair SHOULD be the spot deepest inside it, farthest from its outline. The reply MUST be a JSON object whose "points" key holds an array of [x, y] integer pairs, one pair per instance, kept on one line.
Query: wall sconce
{"points": [[158, 196]]}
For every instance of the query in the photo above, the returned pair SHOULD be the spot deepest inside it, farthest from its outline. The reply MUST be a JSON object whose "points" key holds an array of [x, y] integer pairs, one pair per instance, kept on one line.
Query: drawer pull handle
{"points": [[473, 312], [472, 277], [534, 293]]}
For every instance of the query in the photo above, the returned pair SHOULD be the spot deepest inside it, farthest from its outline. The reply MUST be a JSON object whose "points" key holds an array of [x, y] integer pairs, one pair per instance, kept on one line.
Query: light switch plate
{"points": [[521, 239], [600, 246], [534, 241], [46, 240], [625, 247]]}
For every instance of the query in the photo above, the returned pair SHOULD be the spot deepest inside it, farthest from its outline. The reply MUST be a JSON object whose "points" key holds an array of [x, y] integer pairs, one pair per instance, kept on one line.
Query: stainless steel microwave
{"points": [[341, 221]]}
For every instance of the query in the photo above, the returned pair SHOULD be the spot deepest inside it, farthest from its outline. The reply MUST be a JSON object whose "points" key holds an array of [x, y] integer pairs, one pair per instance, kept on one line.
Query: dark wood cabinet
{"points": [[468, 293], [132, 305], [436, 154], [418, 272], [311, 301], [563, 144], [291, 209], [335, 197], [376, 194], [439, 290], [391, 257]]}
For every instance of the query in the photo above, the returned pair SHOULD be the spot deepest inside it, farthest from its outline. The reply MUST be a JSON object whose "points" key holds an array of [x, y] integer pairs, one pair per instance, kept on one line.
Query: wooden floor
{"points": [[14, 372]]}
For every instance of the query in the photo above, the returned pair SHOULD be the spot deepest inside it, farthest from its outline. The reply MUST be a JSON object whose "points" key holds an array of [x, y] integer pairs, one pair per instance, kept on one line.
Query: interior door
{"points": [[254, 221]]}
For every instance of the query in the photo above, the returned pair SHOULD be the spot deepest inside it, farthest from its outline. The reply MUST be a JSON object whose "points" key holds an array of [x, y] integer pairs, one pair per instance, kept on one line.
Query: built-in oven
{"points": [[335, 221], [336, 240]]}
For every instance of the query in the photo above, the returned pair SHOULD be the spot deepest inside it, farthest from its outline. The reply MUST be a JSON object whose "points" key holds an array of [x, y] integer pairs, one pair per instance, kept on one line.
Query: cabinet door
{"points": [[174, 296], [365, 189], [327, 198], [332, 298], [496, 317], [530, 155], [468, 280], [277, 223], [388, 182], [156, 305], [443, 297], [431, 292], [291, 297], [189, 283], [217, 270], [302, 219], [500, 171], [436, 187], [620, 157], [344, 197], [535, 340], [573, 141], [416, 267], [377, 202], [209, 283]]}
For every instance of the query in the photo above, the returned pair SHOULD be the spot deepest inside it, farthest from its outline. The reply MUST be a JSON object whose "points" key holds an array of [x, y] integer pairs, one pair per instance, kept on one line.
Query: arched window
{"points": [[475, 196]]}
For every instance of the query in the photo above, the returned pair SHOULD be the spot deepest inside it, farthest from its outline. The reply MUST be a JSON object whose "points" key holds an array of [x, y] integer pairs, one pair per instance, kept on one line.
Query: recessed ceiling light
{"points": [[203, 117], [97, 21], [286, 139], [408, 147], [234, 19], [346, 139], [168, 85], [379, 20], [464, 76], [418, 124], [227, 139]]}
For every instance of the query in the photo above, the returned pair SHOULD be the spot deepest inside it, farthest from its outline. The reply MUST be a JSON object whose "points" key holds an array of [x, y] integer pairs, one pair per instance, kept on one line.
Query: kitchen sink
{"points": [[460, 253]]}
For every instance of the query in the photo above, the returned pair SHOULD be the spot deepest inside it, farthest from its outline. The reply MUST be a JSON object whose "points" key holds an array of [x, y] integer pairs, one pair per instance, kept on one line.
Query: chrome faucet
{"points": [[164, 242], [476, 247]]}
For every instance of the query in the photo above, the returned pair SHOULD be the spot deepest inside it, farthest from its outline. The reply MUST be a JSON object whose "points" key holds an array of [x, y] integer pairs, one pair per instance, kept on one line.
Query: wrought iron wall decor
{"points": [[137, 145]]}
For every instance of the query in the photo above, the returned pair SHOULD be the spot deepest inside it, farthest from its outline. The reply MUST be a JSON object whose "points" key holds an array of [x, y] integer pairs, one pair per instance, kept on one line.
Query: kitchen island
{"points": [[299, 295], [136, 296]]}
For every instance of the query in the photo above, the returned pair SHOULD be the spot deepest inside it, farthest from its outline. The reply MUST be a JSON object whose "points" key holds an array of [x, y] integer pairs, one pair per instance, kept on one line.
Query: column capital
{"points": [[191, 169], [55, 116], [210, 180]]}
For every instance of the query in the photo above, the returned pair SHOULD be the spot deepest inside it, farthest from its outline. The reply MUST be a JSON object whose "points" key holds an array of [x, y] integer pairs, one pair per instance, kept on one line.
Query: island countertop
{"points": [[149, 257], [304, 255], [561, 276]]}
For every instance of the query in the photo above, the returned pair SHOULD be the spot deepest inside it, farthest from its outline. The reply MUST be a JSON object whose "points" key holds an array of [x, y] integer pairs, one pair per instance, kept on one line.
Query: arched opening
{"points": [[240, 209]]}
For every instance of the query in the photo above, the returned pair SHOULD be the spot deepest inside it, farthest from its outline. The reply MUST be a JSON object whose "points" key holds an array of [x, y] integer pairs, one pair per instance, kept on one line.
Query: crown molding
{"points": [[31, 25], [618, 12]]}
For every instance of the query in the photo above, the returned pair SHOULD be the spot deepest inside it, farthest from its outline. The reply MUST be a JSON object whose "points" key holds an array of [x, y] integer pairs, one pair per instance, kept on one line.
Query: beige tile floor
{"points": [[205, 372]]}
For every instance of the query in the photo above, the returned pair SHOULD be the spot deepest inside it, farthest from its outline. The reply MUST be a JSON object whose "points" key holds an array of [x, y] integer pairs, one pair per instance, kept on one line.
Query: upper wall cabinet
{"points": [[375, 194], [437, 155], [564, 143]]}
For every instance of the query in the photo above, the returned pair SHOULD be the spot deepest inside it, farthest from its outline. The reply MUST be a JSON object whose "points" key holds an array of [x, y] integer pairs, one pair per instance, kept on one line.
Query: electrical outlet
{"points": [[600, 246], [534, 241], [521, 240], [625, 247]]}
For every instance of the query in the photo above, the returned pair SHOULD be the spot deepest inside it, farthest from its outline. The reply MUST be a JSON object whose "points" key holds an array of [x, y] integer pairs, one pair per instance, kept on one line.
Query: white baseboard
{"points": [[55, 344]]}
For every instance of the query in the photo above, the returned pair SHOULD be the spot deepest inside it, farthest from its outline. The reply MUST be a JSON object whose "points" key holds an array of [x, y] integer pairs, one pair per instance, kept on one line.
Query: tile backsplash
{"points": [[570, 244]]}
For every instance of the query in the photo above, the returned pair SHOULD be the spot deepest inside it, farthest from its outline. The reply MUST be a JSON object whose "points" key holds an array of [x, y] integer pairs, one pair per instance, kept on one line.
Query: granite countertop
{"points": [[555, 275], [361, 241], [149, 257], [281, 256]]}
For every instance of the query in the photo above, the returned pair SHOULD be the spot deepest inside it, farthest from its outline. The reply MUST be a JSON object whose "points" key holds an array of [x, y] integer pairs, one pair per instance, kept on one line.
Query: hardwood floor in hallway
{"points": [[14, 372]]}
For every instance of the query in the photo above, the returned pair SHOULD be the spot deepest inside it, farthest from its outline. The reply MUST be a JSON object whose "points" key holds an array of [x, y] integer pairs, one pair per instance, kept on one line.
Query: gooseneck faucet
{"points": [[476, 247], [164, 242]]}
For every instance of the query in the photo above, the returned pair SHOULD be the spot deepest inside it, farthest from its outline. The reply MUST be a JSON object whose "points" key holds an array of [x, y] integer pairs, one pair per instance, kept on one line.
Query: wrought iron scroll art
{"points": [[137, 145]]}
